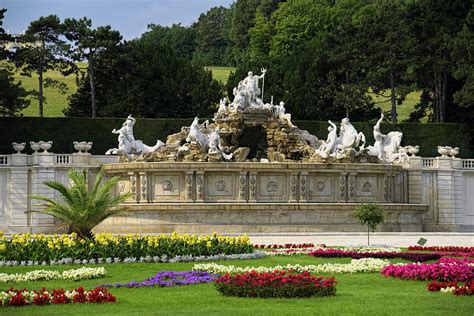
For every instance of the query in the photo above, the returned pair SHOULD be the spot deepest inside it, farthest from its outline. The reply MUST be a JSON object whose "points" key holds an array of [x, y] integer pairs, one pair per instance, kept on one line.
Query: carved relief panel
{"points": [[322, 187], [124, 185], [169, 187], [368, 187], [220, 186], [272, 187]]}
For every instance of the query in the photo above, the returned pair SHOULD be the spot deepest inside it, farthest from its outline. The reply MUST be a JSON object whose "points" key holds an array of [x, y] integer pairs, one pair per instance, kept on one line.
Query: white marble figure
{"points": [[247, 93], [349, 138], [239, 102], [328, 145], [379, 139], [387, 147], [391, 146], [127, 143], [279, 112], [222, 110], [215, 145], [196, 136]]}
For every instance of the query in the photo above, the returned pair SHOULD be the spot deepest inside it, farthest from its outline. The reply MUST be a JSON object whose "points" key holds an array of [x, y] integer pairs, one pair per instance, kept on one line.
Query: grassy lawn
{"points": [[357, 294], [221, 73], [403, 109]]}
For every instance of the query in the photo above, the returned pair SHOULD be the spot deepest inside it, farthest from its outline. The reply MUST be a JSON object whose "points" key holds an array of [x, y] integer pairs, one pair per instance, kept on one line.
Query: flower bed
{"points": [[170, 278], [336, 253], [441, 248], [147, 259], [356, 265], [286, 246], [370, 249], [448, 269], [451, 287], [24, 297], [40, 248], [290, 252], [275, 284], [40, 275]]}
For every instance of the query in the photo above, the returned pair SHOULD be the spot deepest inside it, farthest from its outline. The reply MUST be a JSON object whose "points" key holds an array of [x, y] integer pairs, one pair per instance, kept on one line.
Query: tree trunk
{"points": [[443, 97], [436, 98], [368, 235], [393, 96], [40, 89], [92, 84]]}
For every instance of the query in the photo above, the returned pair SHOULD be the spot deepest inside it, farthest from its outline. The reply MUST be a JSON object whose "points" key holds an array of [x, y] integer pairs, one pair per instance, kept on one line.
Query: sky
{"points": [[130, 17]]}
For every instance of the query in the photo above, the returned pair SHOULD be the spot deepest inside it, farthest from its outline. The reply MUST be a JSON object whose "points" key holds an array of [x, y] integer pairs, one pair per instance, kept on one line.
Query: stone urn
{"points": [[46, 145], [444, 151], [35, 146], [79, 146], [454, 152], [18, 147], [88, 146], [82, 147], [413, 150]]}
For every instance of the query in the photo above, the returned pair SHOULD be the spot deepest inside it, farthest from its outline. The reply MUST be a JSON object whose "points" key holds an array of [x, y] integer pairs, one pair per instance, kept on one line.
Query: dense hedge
{"points": [[63, 131]]}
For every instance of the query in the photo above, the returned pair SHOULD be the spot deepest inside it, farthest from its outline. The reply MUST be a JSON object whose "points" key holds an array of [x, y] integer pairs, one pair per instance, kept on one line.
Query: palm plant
{"points": [[83, 208]]}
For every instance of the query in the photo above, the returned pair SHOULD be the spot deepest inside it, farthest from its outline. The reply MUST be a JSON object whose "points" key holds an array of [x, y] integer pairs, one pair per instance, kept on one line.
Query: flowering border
{"points": [[170, 278], [452, 287], [14, 297], [147, 259], [356, 266], [446, 269], [275, 284], [336, 253], [40, 275]]}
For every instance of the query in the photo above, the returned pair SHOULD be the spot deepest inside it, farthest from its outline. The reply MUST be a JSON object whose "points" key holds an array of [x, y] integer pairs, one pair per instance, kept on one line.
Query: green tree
{"points": [[12, 95], [83, 208], [44, 51], [211, 36], [463, 55], [371, 215], [86, 44], [387, 45], [149, 80], [435, 23], [181, 38]]}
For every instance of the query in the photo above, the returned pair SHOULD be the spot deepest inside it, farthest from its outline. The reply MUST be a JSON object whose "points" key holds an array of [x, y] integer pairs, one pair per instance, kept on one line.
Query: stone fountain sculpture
{"points": [[387, 147], [127, 143], [251, 130]]}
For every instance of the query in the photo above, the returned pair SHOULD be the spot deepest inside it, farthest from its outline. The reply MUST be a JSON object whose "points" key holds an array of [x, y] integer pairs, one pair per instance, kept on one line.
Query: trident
{"points": [[263, 70]]}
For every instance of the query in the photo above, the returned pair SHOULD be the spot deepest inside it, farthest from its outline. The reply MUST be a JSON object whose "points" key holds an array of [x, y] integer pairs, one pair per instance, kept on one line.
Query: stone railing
{"points": [[428, 162], [63, 159], [467, 164], [4, 160]]}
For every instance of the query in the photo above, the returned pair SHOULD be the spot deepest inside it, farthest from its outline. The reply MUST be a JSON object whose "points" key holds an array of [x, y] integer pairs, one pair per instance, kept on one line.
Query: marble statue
{"points": [[222, 110], [127, 145], [215, 145], [247, 93], [379, 139], [279, 112], [328, 146], [349, 140], [196, 136]]}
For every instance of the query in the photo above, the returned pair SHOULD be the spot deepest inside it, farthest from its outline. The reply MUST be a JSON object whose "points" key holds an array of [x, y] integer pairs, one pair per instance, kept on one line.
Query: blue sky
{"points": [[130, 17]]}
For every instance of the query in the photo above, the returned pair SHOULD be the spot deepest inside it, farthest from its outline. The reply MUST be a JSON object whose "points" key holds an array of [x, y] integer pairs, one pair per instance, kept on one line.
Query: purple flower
{"points": [[170, 278]]}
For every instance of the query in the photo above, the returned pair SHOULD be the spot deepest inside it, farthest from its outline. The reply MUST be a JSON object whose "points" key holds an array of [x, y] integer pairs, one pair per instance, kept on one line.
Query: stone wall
{"points": [[423, 194]]}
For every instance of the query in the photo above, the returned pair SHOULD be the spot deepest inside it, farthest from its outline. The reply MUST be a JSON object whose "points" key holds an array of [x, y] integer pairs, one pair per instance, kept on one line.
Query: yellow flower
{"points": [[2, 247], [91, 245], [209, 244]]}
